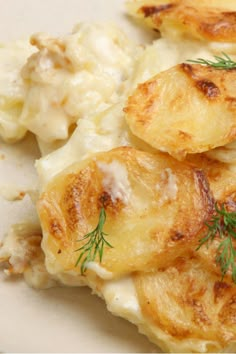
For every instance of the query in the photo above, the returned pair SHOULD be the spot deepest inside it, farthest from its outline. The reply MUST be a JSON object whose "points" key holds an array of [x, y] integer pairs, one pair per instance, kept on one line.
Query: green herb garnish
{"points": [[224, 62], [95, 244], [223, 224]]}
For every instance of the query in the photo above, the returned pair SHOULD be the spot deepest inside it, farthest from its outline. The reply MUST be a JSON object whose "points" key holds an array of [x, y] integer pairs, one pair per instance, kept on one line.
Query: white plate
{"points": [[62, 319]]}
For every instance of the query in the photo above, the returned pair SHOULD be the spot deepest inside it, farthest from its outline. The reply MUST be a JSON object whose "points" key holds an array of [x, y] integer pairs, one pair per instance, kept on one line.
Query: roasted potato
{"points": [[188, 307], [155, 207], [187, 109], [213, 20]]}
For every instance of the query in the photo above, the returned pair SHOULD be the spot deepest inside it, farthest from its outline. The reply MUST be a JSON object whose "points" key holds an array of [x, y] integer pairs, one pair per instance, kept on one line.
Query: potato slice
{"points": [[189, 304], [221, 177], [226, 153], [154, 205], [222, 180], [186, 109], [206, 20]]}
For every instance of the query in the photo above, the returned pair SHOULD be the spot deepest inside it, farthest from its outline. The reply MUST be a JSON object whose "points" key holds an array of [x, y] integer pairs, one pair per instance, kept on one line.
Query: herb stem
{"points": [[95, 244], [223, 225], [220, 63]]}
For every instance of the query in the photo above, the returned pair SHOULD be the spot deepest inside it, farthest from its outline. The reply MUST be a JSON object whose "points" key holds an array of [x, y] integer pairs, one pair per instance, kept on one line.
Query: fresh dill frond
{"points": [[94, 245], [223, 225], [221, 63]]}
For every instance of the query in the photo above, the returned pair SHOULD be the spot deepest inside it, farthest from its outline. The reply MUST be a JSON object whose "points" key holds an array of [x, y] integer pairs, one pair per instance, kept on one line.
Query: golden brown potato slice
{"points": [[213, 20], [189, 304], [154, 206], [207, 256], [226, 153], [222, 180], [221, 177], [186, 109]]}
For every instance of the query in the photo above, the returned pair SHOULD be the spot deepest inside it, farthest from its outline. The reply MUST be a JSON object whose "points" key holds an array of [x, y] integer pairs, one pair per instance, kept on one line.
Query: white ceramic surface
{"points": [[62, 319]]}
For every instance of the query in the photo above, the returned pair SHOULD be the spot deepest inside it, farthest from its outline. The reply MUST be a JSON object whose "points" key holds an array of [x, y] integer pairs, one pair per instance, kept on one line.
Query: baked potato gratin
{"points": [[137, 196]]}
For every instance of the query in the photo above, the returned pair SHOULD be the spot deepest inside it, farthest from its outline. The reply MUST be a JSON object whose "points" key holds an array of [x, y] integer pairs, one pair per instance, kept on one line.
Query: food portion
{"points": [[203, 20], [137, 186], [69, 78], [190, 305], [12, 89], [23, 254], [95, 133], [217, 247], [180, 110], [155, 208]]}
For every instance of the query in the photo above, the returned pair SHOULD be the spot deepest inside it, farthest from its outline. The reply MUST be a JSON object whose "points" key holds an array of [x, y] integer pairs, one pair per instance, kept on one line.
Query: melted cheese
{"points": [[166, 53], [72, 77], [169, 185], [101, 272], [100, 132], [116, 182], [107, 129], [12, 90], [121, 298]]}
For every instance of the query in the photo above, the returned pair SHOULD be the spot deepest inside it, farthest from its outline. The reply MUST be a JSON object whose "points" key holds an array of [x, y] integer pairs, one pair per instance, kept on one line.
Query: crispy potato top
{"points": [[155, 207], [205, 20], [188, 302], [222, 180], [184, 110]]}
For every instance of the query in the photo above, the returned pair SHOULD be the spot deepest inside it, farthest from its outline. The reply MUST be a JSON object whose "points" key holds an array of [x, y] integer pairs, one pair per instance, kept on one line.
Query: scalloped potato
{"points": [[155, 208], [180, 110], [102, 151], [190, 305], [204, 20]]}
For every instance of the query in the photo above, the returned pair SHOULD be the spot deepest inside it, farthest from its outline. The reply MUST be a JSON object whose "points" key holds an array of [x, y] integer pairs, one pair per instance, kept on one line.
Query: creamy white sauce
{"points": [[101, 67], [99, 270], [11, 193], [12, 89], [116, 181], [107, 129], [74, 76], [168, 186], [89, 138], [121, 298]]}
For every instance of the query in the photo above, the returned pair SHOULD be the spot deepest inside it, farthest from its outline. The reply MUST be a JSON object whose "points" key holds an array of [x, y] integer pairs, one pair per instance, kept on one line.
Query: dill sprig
{"points": [[95, 244], [223, 224], [224, 62]]}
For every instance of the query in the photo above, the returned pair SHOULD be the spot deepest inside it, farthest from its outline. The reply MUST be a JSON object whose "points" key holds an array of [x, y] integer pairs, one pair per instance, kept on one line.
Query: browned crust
{"points": [[228, 312], [220, 289], [207, 23], [70, 207], [209, 89], [154, 102], [148, 11], [203, 308]]}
